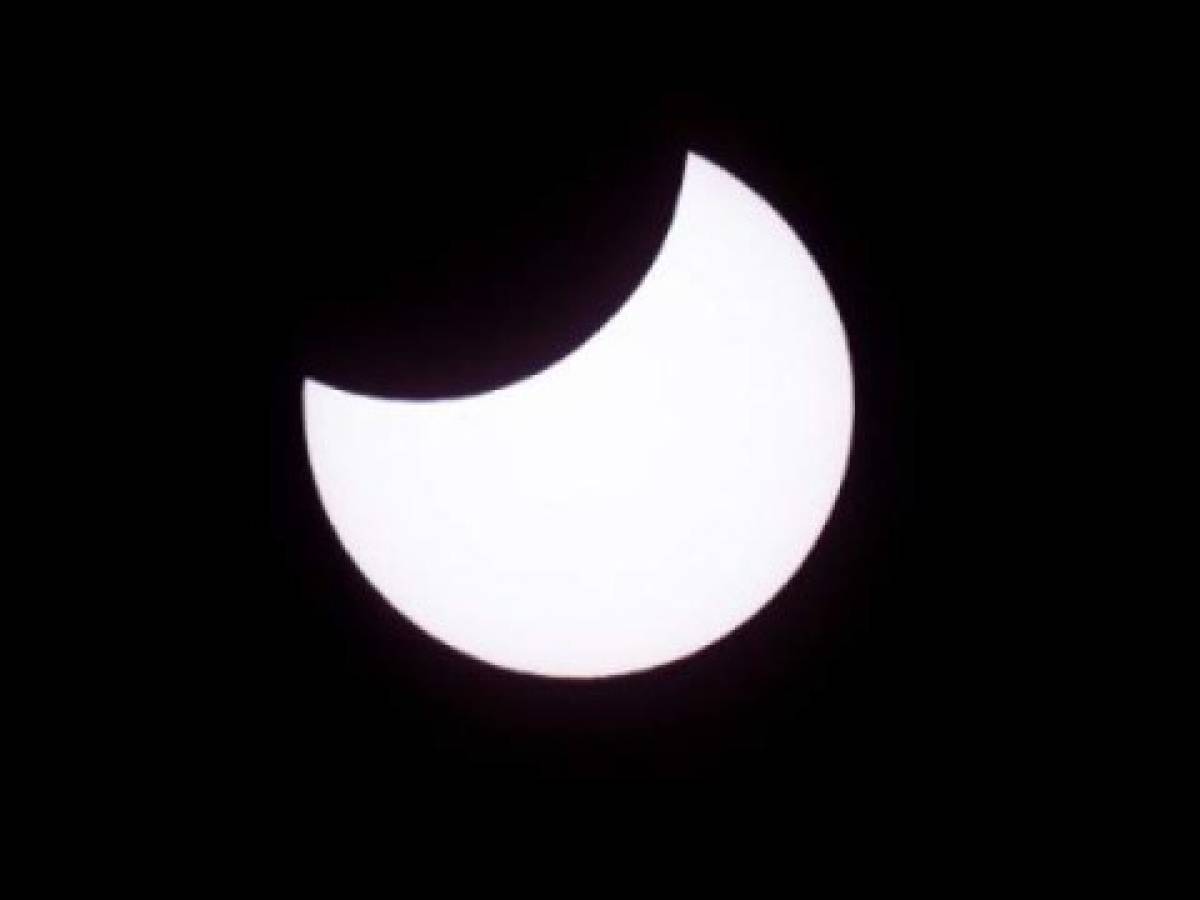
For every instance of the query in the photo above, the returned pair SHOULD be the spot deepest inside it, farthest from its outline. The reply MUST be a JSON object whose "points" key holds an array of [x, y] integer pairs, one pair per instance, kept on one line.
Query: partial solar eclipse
{"points": [[633, 502]]}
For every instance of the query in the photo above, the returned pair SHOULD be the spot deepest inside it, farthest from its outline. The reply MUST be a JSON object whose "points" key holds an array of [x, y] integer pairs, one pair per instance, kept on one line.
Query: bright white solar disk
{"points": [[633, 502]]}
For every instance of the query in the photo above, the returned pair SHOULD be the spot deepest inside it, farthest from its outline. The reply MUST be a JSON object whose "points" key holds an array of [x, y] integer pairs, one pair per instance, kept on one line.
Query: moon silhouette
{"points": [[638, 499]]}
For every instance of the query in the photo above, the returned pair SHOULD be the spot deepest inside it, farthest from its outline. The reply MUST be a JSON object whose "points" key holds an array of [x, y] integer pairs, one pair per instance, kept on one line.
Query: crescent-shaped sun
{"points": [[638, 499]]}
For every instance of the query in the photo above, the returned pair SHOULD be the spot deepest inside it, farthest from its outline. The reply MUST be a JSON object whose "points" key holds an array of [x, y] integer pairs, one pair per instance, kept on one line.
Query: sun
{"points": [[635, 501]]}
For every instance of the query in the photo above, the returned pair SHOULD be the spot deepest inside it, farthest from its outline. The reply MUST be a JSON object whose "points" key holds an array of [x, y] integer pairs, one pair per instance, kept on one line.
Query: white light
{"points": [[633, 502]]}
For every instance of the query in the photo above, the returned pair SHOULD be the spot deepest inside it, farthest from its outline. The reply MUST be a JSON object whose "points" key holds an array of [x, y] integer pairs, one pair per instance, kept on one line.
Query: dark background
{"points": [[435, 239]]}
